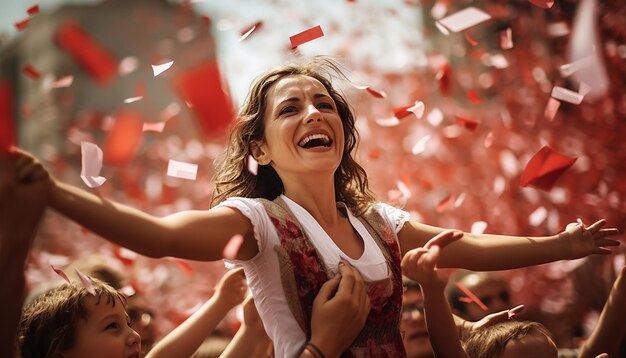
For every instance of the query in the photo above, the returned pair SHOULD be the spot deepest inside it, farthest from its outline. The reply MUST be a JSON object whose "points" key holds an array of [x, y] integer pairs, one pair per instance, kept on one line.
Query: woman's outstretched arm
{"points": [[195, 235], [498, 252]]}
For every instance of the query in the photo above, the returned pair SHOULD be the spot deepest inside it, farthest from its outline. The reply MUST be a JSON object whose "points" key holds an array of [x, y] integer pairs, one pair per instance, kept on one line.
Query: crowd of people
{"points": [[331, 270]]}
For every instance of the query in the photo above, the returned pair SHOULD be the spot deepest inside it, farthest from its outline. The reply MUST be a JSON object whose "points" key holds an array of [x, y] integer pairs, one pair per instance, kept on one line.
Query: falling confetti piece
{"points": [[232, 247], [370, 90], [468, 123], [87, 52], [91, 164], [63, 82], [7, 121], [201, 87], [568, 69], [473, 97], [22, 25], [183, 266], [31, 72], [506, 39], [442, 28], [133, 99], [488, 142], [445, 203], [158, 69], [584, 89], [471, 296], [248, 31], [420, 146], [435, 117], [33, 10], [498, 61], [464, 19], [567, 95], [388, 122], [416, 109], [470, 39], [153, 126], [306, 36], [544, 4], [182, 170], [544, 168], [538, 216], [123, 138], [128, 65], [61, 273], [86, 281], [551, 108], [253, 165]]}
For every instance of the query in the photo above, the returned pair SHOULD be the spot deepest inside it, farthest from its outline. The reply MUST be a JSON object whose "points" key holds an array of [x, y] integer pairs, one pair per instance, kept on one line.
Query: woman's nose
{"points": [[312, 114]]}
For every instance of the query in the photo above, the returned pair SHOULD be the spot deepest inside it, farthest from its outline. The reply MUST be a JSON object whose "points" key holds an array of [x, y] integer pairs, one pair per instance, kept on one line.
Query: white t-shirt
{"points": [[263, 274]]}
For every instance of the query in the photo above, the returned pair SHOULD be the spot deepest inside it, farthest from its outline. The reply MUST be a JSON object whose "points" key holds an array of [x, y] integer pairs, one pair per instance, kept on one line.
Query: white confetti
{"points": [[464, 19], [91, 164], [566, 95], [182, 170], [158, 69]]}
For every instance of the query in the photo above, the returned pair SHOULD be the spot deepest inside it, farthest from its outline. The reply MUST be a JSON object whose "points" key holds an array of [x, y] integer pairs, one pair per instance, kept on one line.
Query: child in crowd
{"points": [[308, 207], [68, 321]]}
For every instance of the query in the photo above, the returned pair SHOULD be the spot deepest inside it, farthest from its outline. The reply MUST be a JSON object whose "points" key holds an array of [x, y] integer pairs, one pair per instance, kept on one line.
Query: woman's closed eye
{"points": [[325, 105], [288, 109]]}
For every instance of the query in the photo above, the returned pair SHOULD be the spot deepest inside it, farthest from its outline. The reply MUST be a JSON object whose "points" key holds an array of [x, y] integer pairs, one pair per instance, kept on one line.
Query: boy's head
{"points": [[67, 321], [511, 339]]}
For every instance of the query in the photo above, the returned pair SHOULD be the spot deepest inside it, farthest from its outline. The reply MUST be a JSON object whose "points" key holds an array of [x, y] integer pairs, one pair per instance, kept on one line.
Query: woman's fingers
{"points": [[444, 238]]}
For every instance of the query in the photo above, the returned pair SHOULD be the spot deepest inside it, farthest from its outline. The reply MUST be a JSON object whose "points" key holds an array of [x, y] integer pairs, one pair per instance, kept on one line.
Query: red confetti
{"points": [[31, 72], [551, 108], [232, 248], [544, 168], [61, 273], [86, 281], [473, 97], [445, 203], [470, 39], [33, 10], [468, 123], [306, 36], [376, 93], [202, 88], [7, 120], [443, 76], [249, 30], [506, 39], [471, 296], [21, 25], [88, 53], [123, 139]]}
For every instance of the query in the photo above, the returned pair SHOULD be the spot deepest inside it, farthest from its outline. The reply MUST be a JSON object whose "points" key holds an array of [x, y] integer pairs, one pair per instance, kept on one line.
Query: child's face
{"points": [[105, 333], [533, 345]]}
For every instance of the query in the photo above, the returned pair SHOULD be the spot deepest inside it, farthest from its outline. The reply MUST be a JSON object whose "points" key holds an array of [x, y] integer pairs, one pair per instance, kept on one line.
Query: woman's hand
{"points": [[231, 289], [585, 240]]}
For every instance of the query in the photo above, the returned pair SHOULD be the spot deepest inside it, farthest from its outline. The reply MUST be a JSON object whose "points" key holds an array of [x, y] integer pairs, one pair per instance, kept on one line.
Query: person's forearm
{"points": [[12, 293], [496, 252], [440, 323], [243, 344], [185, 339], [121, 224], [610, 330]]}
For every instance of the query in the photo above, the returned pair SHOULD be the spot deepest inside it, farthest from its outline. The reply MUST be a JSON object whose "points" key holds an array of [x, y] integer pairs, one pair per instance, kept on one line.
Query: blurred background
{"points": [[82, 71]]}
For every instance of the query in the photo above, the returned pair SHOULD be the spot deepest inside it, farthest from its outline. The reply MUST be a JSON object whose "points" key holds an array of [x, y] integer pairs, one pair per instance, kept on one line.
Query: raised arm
{"points": [[21, 208], [498, 252], [610, 332], [187, 337], [196, 235], [419, 265]]}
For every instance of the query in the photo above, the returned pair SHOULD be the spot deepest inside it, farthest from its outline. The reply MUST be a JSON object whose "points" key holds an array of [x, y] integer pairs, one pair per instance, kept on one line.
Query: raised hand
{"points": [[419, 264], [231, 289], [583, 240]]}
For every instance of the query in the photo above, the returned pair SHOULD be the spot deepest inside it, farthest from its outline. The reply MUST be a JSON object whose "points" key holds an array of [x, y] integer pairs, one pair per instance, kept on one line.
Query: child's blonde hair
{"points": [[48, 324], [489, 342]]}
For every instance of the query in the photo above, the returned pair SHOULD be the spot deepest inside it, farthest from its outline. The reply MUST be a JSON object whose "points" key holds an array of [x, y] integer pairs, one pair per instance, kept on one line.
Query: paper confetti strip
{"points": [[306, 36], [91, 160], [182, 170], [88, 53], [123, 139], [567, 95], [61, 274], [7, 124], [248, 31], [158, 69], [22, 25], [471, 296], [551, 108], [464, 19], [544, 168], [86, 281], [31, 72], [33, 10]]}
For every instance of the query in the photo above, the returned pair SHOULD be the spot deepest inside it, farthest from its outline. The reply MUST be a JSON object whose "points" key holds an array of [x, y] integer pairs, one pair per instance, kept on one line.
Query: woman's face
{"points": [[303, 131]]}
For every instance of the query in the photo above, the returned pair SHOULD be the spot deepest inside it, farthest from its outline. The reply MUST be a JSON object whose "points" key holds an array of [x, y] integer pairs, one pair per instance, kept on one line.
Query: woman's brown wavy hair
{"points": [[232, 177]]}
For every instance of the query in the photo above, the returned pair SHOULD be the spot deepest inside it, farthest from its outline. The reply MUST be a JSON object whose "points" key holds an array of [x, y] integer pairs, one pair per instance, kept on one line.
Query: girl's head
{"points": [[511, 339], [232, 176], [67, 321]]}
